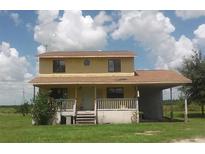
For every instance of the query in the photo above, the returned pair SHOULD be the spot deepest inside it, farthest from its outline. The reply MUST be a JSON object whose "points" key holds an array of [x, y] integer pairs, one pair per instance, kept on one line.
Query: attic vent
{"points": [[86, 62]]}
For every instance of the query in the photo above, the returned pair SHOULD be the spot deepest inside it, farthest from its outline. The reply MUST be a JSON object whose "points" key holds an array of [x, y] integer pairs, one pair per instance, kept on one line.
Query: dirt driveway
{"points": [[194, 140]]}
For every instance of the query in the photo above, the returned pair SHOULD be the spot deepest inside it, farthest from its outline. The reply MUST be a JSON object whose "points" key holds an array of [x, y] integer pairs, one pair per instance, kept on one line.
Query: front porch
{"points": [[95, 104], [106, 110]]}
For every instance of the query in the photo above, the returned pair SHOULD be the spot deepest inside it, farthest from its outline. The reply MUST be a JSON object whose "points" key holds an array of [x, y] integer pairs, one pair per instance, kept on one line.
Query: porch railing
{"points": [[116, 103], [67, 105]]}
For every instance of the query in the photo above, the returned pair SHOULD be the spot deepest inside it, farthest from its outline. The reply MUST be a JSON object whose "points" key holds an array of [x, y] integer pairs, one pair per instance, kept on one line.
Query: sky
{"points": [[160, 39]]}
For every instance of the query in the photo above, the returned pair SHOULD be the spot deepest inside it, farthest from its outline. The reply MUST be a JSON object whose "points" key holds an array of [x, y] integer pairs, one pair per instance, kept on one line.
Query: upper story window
{"points": [[115, 92], [86, 62], [114, 65], [58, 66]]}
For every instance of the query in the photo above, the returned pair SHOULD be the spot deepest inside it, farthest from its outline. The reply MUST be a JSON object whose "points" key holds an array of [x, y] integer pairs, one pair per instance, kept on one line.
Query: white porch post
{"points": [[185, 110], [95, 104], [137, 105], [75, 110], [171, 102]]}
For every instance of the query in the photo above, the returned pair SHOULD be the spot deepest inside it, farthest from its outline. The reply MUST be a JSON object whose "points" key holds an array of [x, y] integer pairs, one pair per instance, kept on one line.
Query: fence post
{"points": [[185, 110], [171, 102], [137, 105]]}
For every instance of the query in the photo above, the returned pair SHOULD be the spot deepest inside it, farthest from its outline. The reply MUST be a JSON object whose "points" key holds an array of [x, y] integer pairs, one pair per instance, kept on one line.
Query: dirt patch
{"points": [[148, 133], [193, 140]]}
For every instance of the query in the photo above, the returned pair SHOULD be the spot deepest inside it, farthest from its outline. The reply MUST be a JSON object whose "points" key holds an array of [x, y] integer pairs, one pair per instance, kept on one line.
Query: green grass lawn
{"points": [[16, 128]]}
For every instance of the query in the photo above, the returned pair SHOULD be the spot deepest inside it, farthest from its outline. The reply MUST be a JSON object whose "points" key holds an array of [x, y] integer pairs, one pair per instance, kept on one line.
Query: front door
{"points": [[87, 98]]}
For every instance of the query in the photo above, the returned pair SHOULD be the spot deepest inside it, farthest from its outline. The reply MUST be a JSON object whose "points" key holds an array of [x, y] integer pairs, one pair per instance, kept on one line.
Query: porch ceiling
{"points": [[162, 78]]}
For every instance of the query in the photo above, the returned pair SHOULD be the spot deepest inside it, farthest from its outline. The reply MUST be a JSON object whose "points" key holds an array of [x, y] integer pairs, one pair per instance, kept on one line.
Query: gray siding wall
{"points": [[150, 103]]}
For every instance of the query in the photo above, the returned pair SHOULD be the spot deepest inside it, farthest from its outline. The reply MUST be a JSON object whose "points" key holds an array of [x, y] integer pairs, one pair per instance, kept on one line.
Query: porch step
{"points": [[85, 117], [85, 122], [85, 112]]}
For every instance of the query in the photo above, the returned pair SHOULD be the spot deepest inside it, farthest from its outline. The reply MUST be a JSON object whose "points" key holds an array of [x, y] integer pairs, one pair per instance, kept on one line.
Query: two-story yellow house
{"points": [[103, 86]]}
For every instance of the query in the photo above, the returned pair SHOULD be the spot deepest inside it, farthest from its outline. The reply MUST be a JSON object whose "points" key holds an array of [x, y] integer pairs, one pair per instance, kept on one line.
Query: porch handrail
{"points": [[116, 103], [66, 104]]}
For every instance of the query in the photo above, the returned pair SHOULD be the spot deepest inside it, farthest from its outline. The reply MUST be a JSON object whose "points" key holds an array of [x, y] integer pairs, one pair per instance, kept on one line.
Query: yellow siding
{"points": [[76, 65], [101, 90], [129, 90], [45, 66], [71, 92]]}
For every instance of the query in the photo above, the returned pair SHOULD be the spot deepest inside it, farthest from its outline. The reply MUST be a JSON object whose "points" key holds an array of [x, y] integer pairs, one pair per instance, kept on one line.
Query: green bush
{"points": [[44, 109]]}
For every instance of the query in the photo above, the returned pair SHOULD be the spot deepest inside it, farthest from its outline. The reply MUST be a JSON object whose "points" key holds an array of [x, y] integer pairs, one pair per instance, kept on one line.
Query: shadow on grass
{"points": [[165, 119], [195, 115], [168, 119], [180, 117], [190, 115]]}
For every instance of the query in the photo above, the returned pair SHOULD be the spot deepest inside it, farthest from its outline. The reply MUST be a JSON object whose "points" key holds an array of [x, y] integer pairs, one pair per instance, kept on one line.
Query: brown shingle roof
{"points": [[160, 76], [142, 77], [78, 54]]}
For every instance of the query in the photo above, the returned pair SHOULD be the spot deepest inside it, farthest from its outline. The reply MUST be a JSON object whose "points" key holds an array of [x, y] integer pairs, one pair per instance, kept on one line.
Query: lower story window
{"points": [[59, 93], [115, 92]]}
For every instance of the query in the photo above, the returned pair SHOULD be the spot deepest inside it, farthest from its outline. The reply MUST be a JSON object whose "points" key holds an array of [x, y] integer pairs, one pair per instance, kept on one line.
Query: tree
{"points": [[194, 69], [44, 109], [24, 108]]}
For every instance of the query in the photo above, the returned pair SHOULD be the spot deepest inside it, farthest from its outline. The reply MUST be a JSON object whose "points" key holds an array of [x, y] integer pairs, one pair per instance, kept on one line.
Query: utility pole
{"points": [[23, 95], [46, 46]]}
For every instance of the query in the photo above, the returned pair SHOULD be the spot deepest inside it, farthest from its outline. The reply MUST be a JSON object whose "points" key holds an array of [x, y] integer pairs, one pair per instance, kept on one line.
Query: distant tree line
{"points": [[24, 108]]}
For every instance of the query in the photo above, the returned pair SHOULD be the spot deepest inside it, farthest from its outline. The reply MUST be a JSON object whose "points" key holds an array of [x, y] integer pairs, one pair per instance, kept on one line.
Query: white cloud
{"points": [[15, 17], [199, 38], [46, 17], [71, 31], [29, 27], [189, 14], [153, 30], [41, 49], [101, 18], [106, 21], [14, 73], [13, 67], [200, 31]]}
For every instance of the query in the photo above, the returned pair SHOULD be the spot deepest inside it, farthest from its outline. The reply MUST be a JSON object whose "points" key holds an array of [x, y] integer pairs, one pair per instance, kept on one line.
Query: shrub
{"points": [[44, 109]]}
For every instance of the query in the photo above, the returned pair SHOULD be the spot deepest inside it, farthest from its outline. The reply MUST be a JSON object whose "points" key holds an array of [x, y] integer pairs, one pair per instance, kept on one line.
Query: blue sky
{"points": [[22, 39], [17, 29]]}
